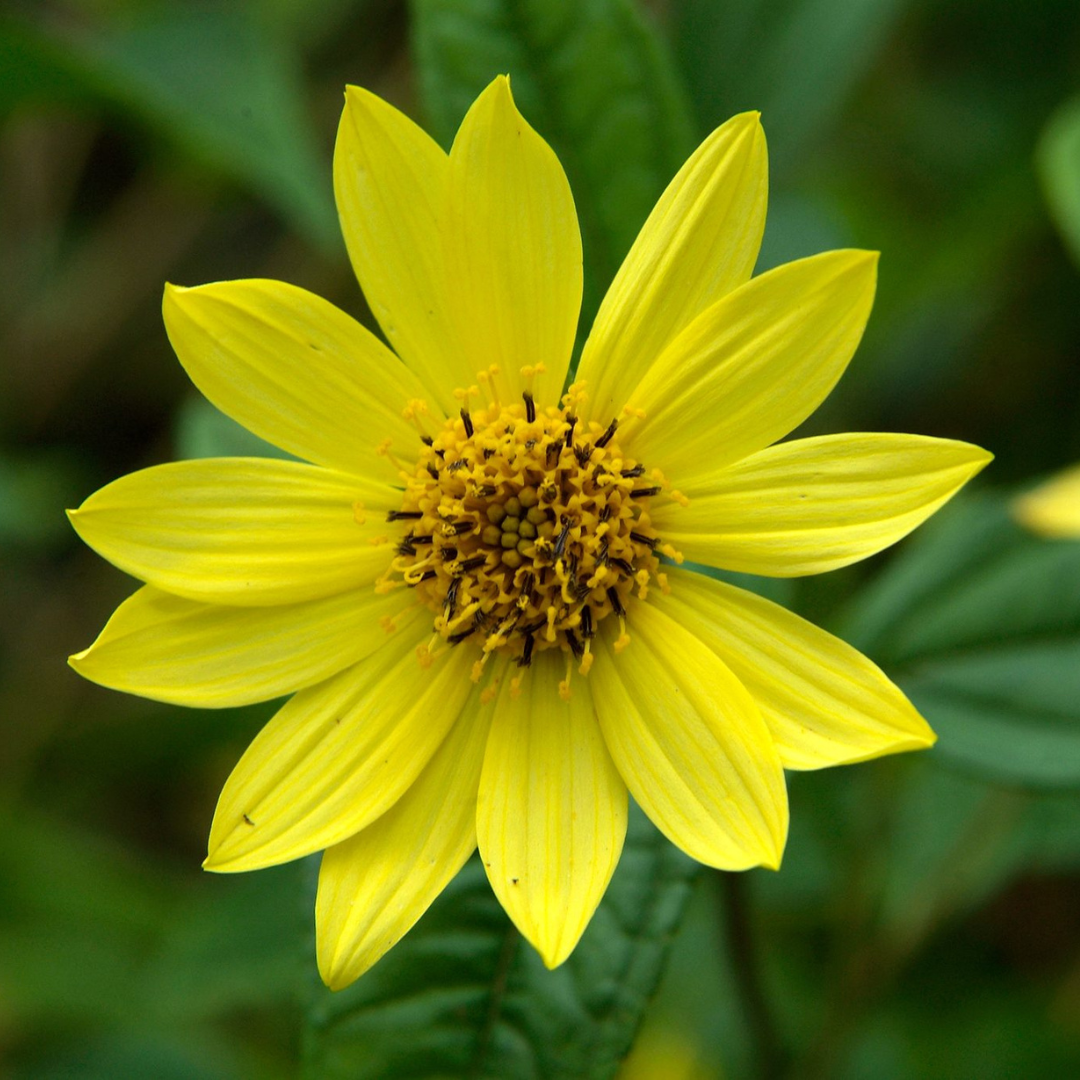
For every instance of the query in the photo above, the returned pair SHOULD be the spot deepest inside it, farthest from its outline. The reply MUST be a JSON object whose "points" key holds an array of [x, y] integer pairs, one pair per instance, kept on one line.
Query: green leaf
{"points": [[201, 432], [592, 76], [1058, 159], [464, 996], [212, 80], [979, 623], [796, 61]]}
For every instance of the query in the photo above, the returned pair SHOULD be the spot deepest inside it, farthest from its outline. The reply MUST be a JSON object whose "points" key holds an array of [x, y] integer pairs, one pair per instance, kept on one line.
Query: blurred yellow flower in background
{"points": [[1053, 508], [471, 583]]}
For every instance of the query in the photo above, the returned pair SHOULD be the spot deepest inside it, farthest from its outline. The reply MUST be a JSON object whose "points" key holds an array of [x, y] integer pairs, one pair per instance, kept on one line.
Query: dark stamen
{"points": [[530, 407], [463, 526], [532, 627], [473, 564], [404, 515], [421, 539], [448, 553], [434, 472], [616, 603], [405, 547], [605, 513], [637, 470], [525, 659], [455, 465], [648, 541], [560, 542], [575, 646], [427, 440], [608, 435], [451, 596], [587, 628], [555, 449], [466, 419], [572, 421], [427, 575], [623, 565], [461, 635], [583, 453], [488, 453], [644, 493]]}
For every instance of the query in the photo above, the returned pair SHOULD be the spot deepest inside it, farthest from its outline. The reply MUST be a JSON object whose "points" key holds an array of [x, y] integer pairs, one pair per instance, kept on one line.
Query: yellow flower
{"points": [[473, 588], [1053, 508]]}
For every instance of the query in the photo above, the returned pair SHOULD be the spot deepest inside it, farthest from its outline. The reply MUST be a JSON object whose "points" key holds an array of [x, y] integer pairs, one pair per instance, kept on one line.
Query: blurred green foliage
{"points": [[926, 921]]}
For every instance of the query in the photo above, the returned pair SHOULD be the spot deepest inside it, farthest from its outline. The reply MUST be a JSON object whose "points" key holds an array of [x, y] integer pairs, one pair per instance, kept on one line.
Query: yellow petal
{"points": [[514, 250], [210, 656], [810, 505], [1053, 509], [551, 819], [374, 886], [391, 179], [248, 531], [753, 366], [294, 369], [690, 743], [700, 242], [337, 756], [825, 703]]}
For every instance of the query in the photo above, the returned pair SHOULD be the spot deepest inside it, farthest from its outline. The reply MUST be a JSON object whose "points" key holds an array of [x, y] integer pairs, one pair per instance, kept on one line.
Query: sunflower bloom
{"points": [[1053, 508], [471, 582]]}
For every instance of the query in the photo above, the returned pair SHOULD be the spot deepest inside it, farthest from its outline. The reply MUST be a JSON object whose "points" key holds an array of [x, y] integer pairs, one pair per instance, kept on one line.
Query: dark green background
{"points": [[926, 922]]}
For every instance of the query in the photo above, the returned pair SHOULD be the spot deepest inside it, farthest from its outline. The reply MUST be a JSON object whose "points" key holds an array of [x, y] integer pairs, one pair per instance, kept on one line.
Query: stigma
{"points": [[523, 529]]}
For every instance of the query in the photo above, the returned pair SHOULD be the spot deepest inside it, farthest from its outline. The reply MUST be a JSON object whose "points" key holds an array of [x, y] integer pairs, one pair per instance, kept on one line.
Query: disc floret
{"points": [[524, 528]]}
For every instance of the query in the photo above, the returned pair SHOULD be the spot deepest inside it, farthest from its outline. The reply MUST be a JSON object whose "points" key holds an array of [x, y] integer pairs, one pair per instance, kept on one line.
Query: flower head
{"points": [[471, 582]]}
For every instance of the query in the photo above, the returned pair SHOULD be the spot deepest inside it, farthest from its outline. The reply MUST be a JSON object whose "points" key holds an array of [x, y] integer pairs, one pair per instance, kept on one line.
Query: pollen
{"points": [[523, 528]]}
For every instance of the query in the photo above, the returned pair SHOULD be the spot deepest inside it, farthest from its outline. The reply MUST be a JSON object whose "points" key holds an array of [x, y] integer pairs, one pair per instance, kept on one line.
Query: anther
{"points": [[560, 543], [648, 541], [575, 646], [458, 638], [623, 565], [451, 596], [405, 547], [472, 564], [616, 603], [427, 440], [433, 471], [532, 627], [587, 628], [427, 575], [530, 407], [583, 453], [630, 474], [404, 515], [645, 492], [421, 539], [525, 659], [456, 528], [466, 419], [608, 435]]}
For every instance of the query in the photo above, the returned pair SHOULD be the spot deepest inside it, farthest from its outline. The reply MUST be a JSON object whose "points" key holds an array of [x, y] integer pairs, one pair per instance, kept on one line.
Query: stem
{"points": [[768, 1051]]}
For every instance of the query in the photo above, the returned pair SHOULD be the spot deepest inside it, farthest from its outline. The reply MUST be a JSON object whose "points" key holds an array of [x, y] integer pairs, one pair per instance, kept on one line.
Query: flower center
{"points": [[523, 529]]}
